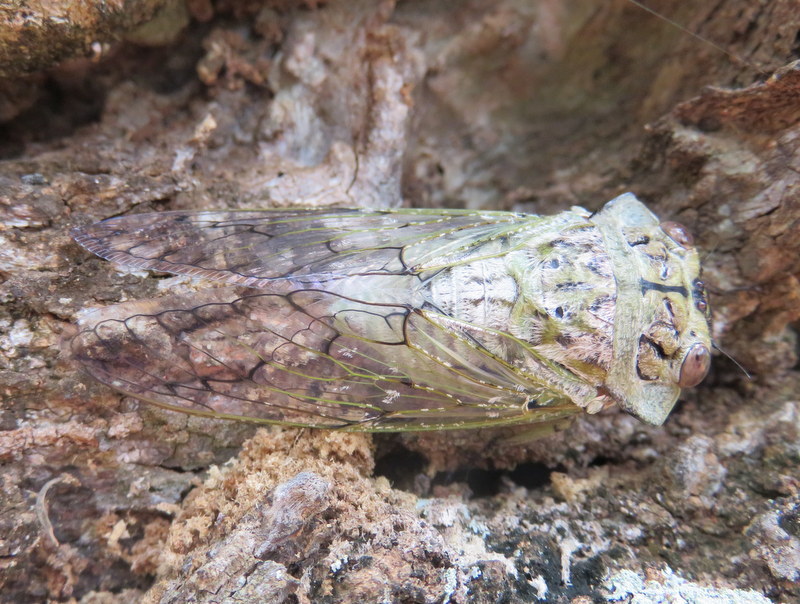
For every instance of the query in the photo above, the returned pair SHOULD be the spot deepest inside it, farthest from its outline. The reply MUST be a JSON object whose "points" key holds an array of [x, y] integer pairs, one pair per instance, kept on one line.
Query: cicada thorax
{"points": [[568, 298], [610, 308], [548, 290]]}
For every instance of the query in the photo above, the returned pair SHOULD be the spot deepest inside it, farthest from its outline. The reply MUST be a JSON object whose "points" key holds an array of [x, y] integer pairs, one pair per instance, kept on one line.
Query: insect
{"points": [[397, 320]]}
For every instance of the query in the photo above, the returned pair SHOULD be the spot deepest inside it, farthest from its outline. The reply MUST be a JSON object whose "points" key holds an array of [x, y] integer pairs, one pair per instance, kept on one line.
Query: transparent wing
{"points": [[330, 328], [255, 248], [309, 358]]}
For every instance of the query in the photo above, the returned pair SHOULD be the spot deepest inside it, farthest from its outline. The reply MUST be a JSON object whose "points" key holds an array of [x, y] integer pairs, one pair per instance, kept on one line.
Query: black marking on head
{"points": [[654, 345], [661, 287]]}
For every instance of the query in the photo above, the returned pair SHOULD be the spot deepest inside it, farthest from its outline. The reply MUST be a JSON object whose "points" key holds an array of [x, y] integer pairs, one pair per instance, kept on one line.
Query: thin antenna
{"points": [[735, 362], [696, 36]]}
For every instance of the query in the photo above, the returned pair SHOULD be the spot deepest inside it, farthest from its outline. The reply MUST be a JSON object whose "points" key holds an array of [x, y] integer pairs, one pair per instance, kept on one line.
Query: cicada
{"points": [[409, 319]]}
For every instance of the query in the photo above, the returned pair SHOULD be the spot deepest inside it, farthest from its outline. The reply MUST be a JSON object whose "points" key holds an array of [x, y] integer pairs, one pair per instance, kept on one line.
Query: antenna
{"points": [[697, 36], [735, 362]]}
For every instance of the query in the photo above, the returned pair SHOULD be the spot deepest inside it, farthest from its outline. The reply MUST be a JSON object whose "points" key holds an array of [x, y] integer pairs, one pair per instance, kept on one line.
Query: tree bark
{"points": [[506, 105]]}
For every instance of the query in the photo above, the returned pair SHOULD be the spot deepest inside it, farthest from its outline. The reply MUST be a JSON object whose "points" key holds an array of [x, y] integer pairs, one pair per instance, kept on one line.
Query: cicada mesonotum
{"points": [[404, 319]]}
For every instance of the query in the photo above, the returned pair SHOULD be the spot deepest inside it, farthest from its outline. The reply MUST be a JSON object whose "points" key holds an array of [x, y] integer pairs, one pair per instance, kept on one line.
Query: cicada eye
{"points": [[695, 366], [678, 233]]}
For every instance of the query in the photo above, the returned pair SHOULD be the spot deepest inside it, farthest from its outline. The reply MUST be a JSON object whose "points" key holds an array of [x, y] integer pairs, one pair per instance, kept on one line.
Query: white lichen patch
{"points": [[20, 334], [628, 586]]}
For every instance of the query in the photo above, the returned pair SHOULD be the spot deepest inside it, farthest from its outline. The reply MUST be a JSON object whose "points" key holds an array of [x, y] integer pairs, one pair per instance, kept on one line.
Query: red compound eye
{"points": [[678, 233], [695, 366]]}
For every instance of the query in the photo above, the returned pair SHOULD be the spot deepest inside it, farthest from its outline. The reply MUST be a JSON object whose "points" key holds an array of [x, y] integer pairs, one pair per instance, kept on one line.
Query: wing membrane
{"points": [[322, 321], [299, 358], [254, 248]]}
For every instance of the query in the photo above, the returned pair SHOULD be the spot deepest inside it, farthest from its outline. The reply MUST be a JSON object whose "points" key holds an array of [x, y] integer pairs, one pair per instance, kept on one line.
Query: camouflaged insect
{"points": [[404, 319]]}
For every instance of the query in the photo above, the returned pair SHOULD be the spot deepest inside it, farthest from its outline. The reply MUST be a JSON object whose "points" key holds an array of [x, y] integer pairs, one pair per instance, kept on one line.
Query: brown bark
{"points": [[531, 106]]}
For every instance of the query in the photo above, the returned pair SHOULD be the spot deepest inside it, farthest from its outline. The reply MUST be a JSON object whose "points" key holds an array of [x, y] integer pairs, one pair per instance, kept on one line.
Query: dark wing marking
{"points": [[309, 247], [309, 358]]}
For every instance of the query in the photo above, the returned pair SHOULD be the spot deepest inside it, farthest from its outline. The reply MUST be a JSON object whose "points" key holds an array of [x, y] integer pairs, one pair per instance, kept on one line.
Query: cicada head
{"points": [[662, 337]]}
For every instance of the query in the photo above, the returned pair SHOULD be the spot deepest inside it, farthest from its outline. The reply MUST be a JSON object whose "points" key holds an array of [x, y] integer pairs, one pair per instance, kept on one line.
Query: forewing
{"points": [[312, 247], [309, 358]]}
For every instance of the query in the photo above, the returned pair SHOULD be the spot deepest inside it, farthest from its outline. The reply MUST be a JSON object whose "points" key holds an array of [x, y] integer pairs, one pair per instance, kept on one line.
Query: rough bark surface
{"points": [[534, 106]]}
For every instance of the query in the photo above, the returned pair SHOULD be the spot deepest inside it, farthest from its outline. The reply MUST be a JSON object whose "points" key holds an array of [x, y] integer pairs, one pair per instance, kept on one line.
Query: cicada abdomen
{"points": [[404, 319]]}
